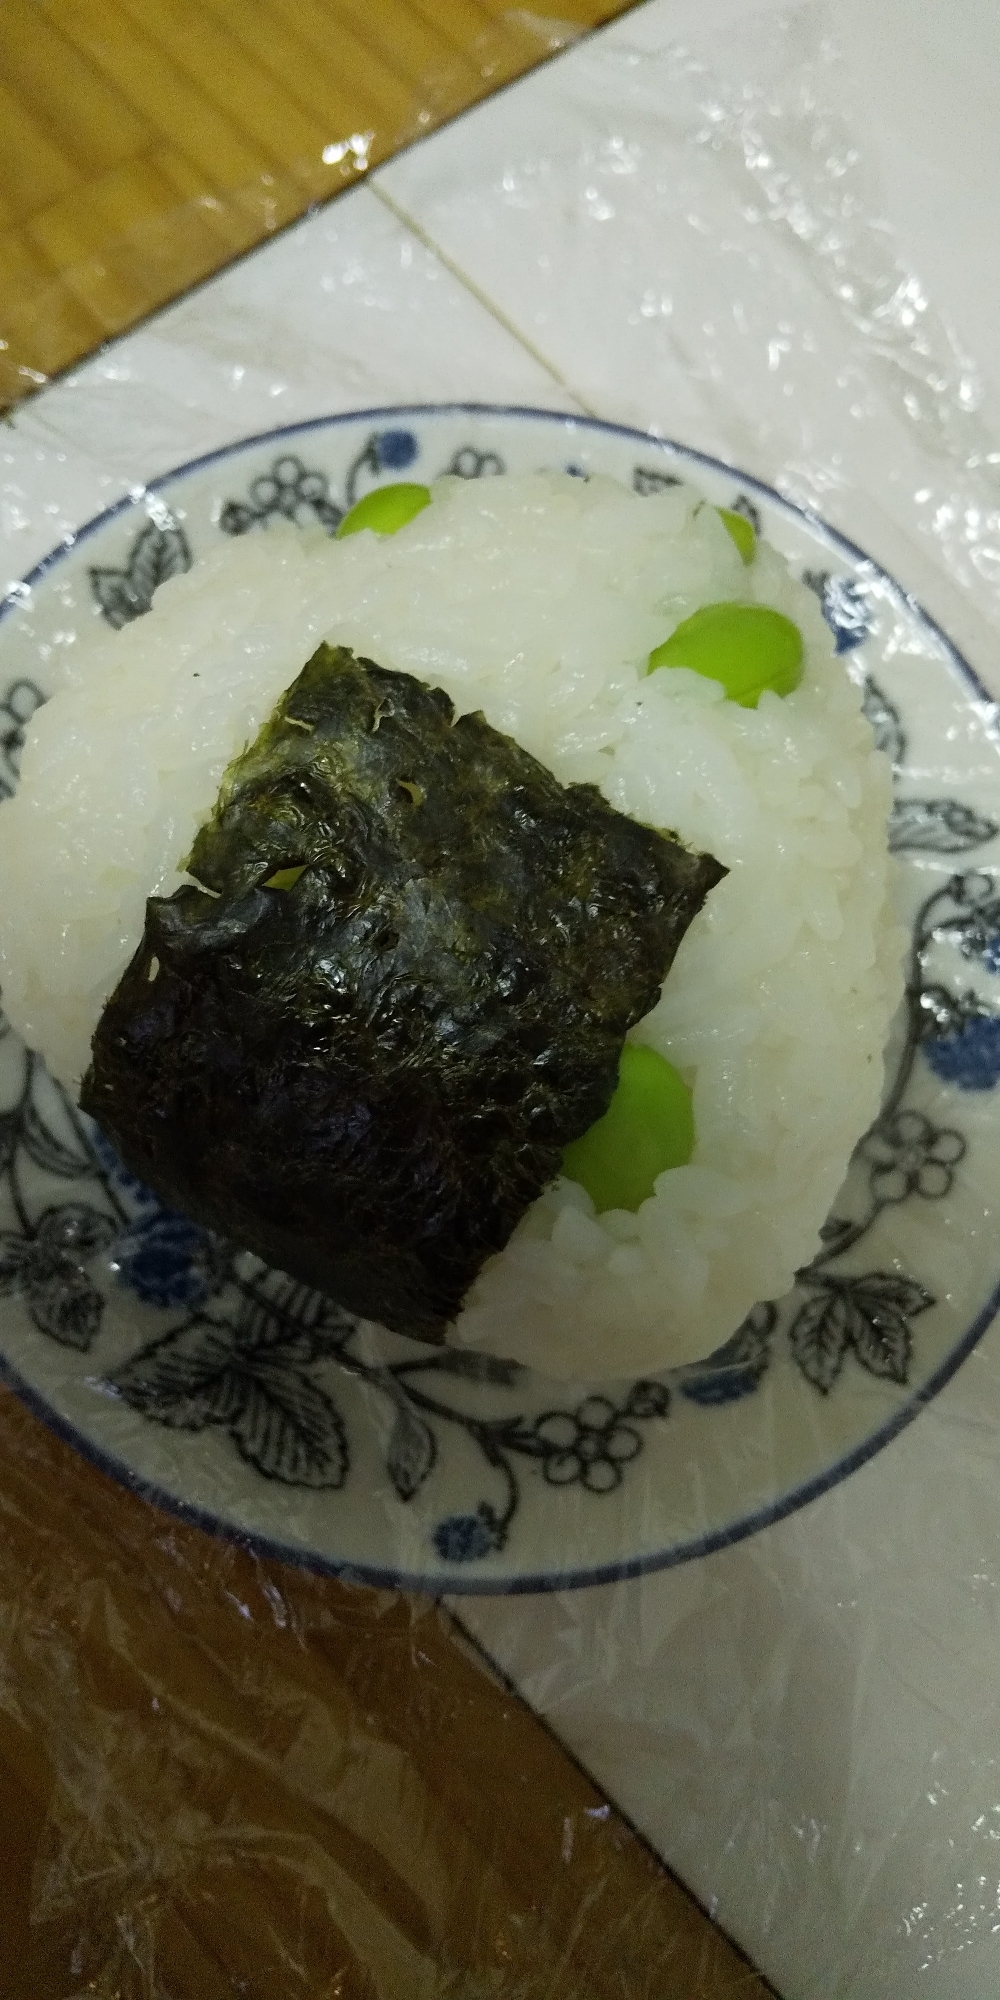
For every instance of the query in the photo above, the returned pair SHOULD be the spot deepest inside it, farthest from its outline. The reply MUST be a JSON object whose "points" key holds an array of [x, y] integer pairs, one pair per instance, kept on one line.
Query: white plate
{"points": [[230, 1395]]}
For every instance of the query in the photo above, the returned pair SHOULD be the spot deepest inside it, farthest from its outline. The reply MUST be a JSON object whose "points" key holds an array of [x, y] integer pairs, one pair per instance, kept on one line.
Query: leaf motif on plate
{"points": [[48, 1270], [10, 1132], [647, 1399], [883, 1343], [47, 1149], [65, 1305], [279, 1418], [878, 1289], [265, 1382], [470, 1366], [279, 1311], [14, 1252], [412, 1452], [884, 1303], [186, 1380], [820, 1336], [743, 504], [870, 1313], [886, 722], [646, 480], [158, 552], [938, 826], [289, 1428]]}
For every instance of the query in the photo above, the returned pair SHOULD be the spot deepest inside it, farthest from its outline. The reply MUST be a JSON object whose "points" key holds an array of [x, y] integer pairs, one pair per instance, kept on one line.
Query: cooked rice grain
{"points": [[536, 599]]}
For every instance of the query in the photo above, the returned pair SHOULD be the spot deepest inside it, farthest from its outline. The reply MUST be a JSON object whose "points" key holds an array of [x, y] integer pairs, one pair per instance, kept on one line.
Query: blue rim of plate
{"points": [[783, 1505]]}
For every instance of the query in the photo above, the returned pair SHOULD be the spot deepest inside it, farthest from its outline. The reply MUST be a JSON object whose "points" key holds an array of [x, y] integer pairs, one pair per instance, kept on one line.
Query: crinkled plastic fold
{"points": [[74, 279], [222, 1776], [238, 1778]]}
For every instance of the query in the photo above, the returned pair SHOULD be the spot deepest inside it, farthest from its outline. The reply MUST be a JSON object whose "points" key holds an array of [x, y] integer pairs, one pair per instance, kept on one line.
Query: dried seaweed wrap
{"points": [[360, 1047]]}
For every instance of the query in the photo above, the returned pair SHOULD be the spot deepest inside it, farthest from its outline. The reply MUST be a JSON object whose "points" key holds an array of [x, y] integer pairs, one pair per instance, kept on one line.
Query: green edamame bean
{"points": [[743, 532], [385, 510], [748, 647], [647, 1127]]}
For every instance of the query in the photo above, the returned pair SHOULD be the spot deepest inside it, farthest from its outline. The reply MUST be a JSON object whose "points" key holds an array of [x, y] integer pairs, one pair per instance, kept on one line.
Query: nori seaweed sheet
{"points": [[367, 1073]]}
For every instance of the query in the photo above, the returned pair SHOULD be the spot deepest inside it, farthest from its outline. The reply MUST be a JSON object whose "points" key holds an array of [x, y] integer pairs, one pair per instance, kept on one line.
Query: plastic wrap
{"points": [[243, 1779], [203, 173], [240, 1779]]}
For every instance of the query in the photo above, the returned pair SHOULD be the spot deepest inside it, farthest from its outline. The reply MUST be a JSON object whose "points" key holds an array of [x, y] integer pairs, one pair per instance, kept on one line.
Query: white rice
{"points": [[536, 599]]}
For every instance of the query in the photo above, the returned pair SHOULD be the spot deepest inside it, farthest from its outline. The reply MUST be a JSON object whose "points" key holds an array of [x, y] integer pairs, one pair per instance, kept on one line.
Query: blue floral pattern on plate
{"points": [[218, 1348]]}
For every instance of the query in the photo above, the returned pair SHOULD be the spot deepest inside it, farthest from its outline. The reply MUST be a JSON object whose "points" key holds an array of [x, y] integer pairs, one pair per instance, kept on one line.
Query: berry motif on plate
{"points": [[257, 1364], [970, 1058], [16, 710], [468, 463], [225, 1345], [168, 1261], [258, 1356], [290, 491], [959, 1032], [462, 1538]]}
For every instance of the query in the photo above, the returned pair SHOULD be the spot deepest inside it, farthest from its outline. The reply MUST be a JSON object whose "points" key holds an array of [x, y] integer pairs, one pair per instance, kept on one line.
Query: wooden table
{"points": [[145, 143], [218, 1776]]}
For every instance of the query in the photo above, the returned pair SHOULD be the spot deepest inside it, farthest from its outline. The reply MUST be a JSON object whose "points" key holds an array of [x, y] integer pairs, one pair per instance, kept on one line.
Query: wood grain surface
{"points": [[220, 1777], [144, 143]]}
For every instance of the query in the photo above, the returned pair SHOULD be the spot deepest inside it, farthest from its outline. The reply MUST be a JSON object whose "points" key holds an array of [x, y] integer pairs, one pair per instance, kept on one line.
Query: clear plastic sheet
{"points": [[805, 1725], [245, 1780], [238, 1779], [809, 185], [114, 248], [740, 211]]}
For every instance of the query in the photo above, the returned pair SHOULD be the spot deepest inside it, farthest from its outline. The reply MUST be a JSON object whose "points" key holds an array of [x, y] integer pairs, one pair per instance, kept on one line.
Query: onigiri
{"points": [[536, 602]]}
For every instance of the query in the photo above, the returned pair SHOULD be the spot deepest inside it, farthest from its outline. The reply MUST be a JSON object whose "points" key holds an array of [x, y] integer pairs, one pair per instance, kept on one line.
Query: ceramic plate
{"points": [[229, 1394]]}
